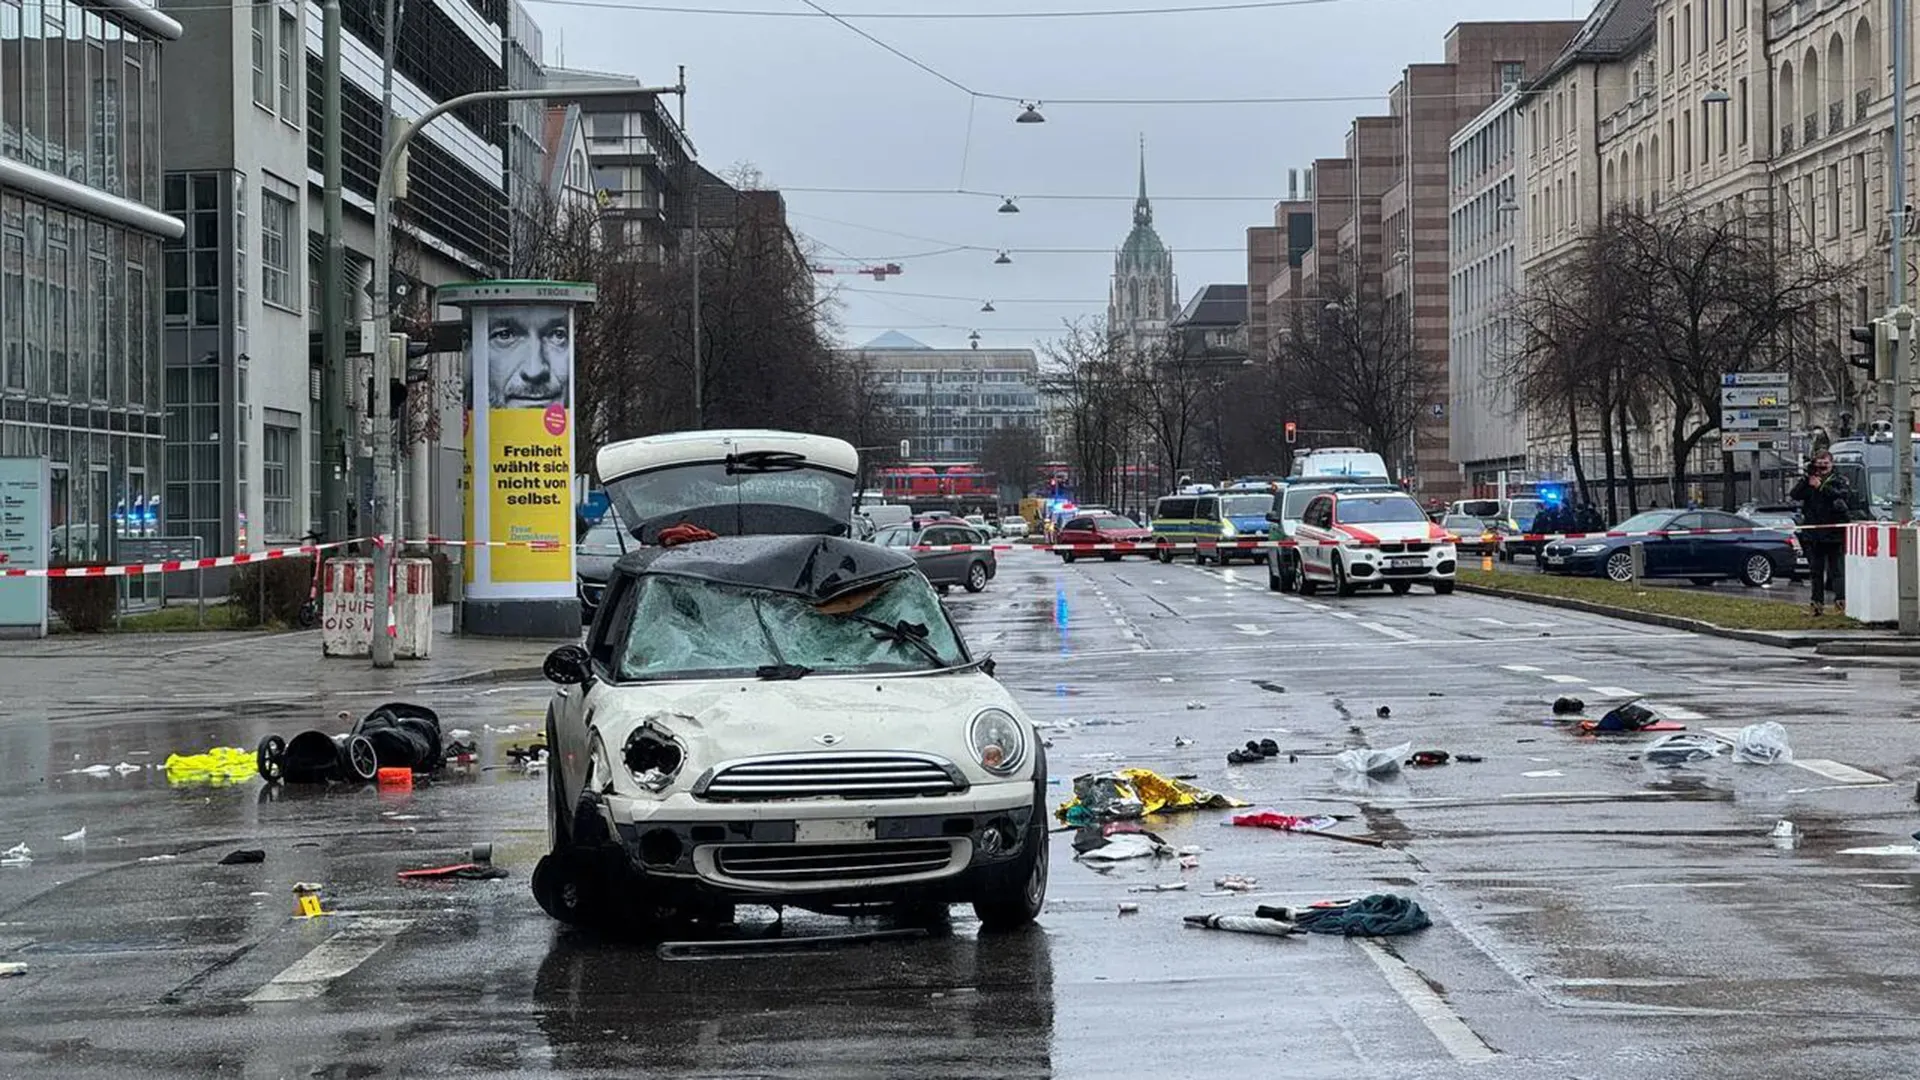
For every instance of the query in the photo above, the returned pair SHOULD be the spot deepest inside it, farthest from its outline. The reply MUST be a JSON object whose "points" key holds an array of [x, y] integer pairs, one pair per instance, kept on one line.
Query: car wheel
{"points": [[1443, 588], [1111, 556], [1757, 572], [976, 577], [1341, 586], [1163, 553], [1400, 588], [1015, 900], [1619, 566], [1290, 575], [1067, 556], [1704, 582], [1273, 579]]}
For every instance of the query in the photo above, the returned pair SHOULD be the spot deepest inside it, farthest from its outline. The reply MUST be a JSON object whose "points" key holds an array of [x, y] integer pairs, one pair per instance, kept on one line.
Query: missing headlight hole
{"points": [[653, 756]]}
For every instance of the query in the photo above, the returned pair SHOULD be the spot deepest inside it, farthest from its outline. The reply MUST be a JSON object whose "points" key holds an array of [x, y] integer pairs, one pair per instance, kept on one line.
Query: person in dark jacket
{"points": [[1826, 501]]}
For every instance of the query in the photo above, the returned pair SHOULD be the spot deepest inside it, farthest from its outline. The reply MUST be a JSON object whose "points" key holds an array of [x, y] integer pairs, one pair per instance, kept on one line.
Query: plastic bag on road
{"points": [[1370, 762], [1681, 749], [1762, 744]]}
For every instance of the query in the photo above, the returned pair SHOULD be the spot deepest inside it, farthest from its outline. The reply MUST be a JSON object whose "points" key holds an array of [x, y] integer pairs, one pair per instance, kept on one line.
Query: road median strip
{"points": [[1768, 621]]}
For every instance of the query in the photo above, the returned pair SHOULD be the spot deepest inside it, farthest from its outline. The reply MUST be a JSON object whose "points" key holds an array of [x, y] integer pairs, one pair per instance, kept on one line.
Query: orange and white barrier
{"points": [[1871, 570]]}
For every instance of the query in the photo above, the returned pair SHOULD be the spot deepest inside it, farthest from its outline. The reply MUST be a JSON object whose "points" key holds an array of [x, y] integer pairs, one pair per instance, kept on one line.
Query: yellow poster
{"points": [[470, 564], [530, 493]]}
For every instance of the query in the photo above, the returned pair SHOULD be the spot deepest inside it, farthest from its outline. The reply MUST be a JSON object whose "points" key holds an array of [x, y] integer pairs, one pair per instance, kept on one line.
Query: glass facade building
{"points": [[80, 236]]}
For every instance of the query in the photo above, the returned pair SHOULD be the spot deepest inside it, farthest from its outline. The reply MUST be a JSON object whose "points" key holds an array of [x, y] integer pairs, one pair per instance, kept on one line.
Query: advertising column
{"points": [[519, 443], [25, 539]]}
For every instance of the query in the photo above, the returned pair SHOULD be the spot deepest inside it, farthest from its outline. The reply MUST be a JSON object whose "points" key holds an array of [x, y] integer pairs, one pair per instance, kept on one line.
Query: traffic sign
{"points": [[1743, 442], [1774, 419], [1748, 397], [1754, 378]]}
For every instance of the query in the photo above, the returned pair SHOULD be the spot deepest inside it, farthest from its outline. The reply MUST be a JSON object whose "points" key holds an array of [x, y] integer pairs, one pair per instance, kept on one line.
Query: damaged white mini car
{"points": [[777, 714]]}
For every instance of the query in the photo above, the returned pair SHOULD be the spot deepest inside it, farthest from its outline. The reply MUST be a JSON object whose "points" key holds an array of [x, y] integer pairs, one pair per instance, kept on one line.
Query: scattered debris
{"points": [[1631, 716], [1378, 915], [1762, 744], [1429, 758], [1236, 883], [1189, 862], [159, 858], [1133, 793], [1269, 819], [1242, 924], [1254, 752], [1469, 759], [1884, 849], [459, 734], [121, 769], [219, 765], [77, 836], [306, 900], [457, 872], [1171, 886], [1181, 742], [17, 855], [12, 970], [243, 857], [1543, 774], [1383, 712], [1681, 749], [1196, 706], [1104, 846], [396, 735], [1370, 762], [1435, 693], [1784, 835], [1568, 706], [1129, 909]]}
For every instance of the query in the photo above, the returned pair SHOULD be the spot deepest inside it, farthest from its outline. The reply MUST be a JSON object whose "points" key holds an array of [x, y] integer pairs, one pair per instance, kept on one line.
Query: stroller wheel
{"points": [[482, 853], [358, 759], [270, 758]]}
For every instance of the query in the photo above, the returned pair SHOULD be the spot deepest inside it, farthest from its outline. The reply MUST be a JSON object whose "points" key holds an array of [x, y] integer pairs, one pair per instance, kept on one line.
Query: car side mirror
{"points": [[987, 665], [568, 665]]}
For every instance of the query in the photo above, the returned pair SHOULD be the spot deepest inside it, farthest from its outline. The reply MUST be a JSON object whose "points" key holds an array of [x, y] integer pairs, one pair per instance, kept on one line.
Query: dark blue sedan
{"points": [[1754, 555]]}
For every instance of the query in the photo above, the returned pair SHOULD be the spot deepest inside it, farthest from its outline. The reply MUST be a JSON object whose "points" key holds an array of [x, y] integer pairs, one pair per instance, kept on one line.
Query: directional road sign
{"points": [[1754, 378]]}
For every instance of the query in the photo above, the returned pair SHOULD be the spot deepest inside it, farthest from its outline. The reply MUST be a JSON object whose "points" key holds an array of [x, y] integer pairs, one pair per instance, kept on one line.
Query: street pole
{"points": [[333, 308], [1903, 359], [382, 321], [693, 192]]}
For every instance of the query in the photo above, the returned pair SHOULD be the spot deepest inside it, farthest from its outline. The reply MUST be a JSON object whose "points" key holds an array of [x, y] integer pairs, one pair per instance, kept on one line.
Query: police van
{"points": [[1203, 517]]}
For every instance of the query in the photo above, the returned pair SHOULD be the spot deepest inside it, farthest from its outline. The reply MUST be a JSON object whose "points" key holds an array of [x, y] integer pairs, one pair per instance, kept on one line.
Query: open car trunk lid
{"points": [[733, 483]]}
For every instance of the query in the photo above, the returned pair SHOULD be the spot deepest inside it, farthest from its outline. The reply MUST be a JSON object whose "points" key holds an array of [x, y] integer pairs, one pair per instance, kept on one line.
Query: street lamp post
{"points": [[382, 322], [1903, 358]]}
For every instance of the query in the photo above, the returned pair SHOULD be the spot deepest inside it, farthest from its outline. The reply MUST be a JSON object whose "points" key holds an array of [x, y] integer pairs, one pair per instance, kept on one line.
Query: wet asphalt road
{"points": [[1594, 917]]}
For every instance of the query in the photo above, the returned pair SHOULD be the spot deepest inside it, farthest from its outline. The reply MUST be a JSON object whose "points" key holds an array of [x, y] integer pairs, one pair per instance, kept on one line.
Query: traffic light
{"points": [[1879, 339], [1293, 432]]}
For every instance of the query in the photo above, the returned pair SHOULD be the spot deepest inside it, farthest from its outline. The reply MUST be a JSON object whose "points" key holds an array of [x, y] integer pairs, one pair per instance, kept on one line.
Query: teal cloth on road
{"points": [[1379, 915]]}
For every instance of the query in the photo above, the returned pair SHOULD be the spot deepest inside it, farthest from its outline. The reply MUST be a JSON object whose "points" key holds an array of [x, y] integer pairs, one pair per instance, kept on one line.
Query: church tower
{"points": [[1144, 295]]}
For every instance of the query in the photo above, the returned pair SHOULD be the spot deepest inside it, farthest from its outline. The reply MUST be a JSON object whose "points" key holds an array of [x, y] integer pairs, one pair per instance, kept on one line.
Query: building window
{"points": [[262, 54], [1744, 119], [1511, 73], [277, 221], [278, 461], [192, 263], [1859, 192], [291, 56], [1686, 21], [1723, 19], [1667, 45], [1740, 14]]}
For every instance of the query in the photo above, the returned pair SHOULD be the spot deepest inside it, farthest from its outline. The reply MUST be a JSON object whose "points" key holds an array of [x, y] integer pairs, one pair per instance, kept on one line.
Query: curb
{"points": [[1901, 648], [1785, 639], [486, 675]]}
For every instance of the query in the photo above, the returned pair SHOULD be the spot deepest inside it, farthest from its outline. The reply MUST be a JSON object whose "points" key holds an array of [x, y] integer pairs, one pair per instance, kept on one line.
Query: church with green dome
{"points": [[1144, 295]]}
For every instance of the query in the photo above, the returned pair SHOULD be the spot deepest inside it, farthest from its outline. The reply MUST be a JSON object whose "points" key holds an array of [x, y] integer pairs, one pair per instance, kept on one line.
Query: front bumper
{"points": [[917, 851], [1562, 561], [1366, 565]]}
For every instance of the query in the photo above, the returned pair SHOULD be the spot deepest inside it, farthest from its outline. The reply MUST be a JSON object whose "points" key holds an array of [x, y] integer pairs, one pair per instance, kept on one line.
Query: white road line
{"points": [[1686, 885], [1453, 1033], [1391, 631], [1528, 668], [1563, 678], [1612, 691], [1677, 713], [1344, 615], [311, 975], [1821, 767]]}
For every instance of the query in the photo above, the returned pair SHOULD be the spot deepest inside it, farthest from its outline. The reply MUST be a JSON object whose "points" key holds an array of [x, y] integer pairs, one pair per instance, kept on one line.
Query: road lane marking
{"points": [[313, 974], [1454, 1035], [1612, 691], [1677, 713], [1391, 631], [1821, 767], [1344, 615], [1563, 678], [1685, 885], [1528, 668]]}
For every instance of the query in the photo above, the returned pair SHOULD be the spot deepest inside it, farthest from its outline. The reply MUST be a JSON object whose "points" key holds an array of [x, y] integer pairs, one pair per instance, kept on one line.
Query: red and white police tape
{"points": [[167, 566]]}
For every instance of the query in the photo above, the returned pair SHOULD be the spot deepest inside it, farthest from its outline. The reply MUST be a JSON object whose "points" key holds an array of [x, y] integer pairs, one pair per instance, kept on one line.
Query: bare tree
{"points": [[1014, 456], [1351, 354], [1169, 397], [1088, 383]]}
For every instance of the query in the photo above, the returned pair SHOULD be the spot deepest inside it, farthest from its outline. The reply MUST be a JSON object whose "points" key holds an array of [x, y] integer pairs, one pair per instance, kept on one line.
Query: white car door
{"points": [[1316, 538]]}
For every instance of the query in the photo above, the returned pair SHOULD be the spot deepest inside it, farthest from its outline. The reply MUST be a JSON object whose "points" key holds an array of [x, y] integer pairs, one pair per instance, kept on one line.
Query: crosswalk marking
{"points": [[312, 974]]}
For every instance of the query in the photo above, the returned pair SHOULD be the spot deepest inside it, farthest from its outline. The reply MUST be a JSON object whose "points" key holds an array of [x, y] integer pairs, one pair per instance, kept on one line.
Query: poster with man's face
{"points": [[529, 354]]}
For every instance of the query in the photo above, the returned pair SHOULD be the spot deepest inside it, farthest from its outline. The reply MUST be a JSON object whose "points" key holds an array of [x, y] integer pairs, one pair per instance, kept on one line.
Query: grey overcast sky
{"points": [[811, 104]]}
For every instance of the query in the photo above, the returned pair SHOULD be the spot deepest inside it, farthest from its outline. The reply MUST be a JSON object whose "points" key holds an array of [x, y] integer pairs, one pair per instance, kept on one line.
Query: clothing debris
{"points": [[1370, 762], [77, 836], [243, 857], [220, 765], [1681, 749], [1268, 819], [1236, 883], [1379, 915], [1134, 793], [17, 855], [1242, 924]]}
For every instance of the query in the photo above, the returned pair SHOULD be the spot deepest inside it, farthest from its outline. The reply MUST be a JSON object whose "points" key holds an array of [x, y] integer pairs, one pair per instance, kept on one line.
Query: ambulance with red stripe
{"points": [[1353, 540]]}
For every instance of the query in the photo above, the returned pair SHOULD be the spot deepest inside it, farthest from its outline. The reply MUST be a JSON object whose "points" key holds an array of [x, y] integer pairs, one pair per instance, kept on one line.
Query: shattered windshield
{"points": [[749, 497], [684, 629]]}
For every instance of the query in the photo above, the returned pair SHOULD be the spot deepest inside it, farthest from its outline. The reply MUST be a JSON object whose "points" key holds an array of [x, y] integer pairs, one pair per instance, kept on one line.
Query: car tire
{"points": [[1068, 556], [1342, 586], [1443, 588], [1163, 553], [1273, 579], [1308, 586], [1757, 571], [1111, 556], [976, 577], [1400, 588], [1290, 575], [1618, 567], [1017, 897]]}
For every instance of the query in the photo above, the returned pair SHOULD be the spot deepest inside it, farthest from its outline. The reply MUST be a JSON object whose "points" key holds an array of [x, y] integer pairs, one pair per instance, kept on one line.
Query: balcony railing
{"points": [[1786, 138], [1812, 126], [1860, 99], [1836, 117]]}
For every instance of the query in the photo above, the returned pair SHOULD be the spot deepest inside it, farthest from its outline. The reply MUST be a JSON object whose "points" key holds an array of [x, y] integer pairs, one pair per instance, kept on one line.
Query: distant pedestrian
{"points": [[1588, 520], [1826, 503]]}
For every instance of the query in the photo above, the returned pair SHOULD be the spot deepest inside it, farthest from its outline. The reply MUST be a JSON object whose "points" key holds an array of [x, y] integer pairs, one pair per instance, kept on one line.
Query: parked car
{"points": [[1102, 529], [690, 773], [1783, 516], [945, 569], [1473, 536], [593, 557], [1283, 563], [1013, 528], [1755, 556]]}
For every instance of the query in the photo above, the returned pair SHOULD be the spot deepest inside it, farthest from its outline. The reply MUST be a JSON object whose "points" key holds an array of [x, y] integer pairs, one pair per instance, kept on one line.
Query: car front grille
{"points": [[803, 864], [855, 774], [1415, 547]]}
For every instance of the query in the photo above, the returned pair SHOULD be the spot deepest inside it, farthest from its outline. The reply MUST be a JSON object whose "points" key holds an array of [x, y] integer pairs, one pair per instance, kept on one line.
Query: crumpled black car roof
{"points": [[817, 568]]}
